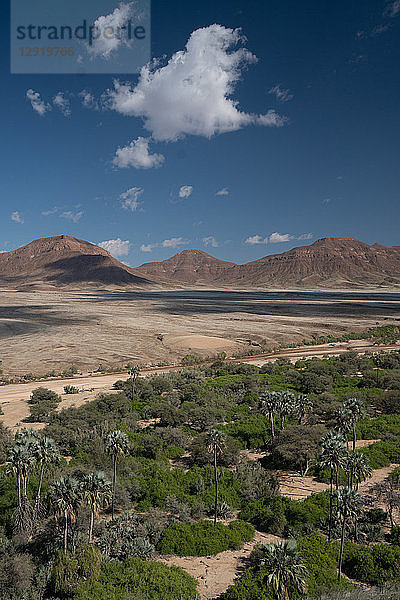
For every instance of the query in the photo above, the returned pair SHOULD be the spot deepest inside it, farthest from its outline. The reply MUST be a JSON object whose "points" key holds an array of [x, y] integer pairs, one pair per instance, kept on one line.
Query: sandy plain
{"points": [[43, 331]]}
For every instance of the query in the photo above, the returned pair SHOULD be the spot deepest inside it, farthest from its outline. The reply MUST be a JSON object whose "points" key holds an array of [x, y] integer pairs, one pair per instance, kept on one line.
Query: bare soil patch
{"points": [[216, 573]]}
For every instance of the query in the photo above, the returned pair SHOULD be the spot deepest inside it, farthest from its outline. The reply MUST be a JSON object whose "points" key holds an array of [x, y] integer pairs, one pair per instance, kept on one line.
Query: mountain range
{"points": [[327, 263]]}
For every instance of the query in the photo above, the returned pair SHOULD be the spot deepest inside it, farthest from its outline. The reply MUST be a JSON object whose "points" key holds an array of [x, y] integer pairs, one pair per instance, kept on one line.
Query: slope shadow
{"points": [[91, 267]]}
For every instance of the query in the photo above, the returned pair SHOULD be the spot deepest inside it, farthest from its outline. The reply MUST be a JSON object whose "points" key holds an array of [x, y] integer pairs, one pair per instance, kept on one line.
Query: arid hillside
{"points": [[63, 260]]}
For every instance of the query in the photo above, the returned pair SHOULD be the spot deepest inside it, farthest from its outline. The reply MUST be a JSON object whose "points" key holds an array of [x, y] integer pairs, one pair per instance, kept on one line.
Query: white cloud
{"points": [[88, 100], [137, 155], [72, 216], [130, 198], [280, 93], [185, 191], [147, 247], [62, 103], [256, 239], [277, 238], [37, 103], [174, 242], [223, 192], [305, 236], [17, 217], [50, 211], [192, 93], [108, 33], [210, 241], [116, 247]]}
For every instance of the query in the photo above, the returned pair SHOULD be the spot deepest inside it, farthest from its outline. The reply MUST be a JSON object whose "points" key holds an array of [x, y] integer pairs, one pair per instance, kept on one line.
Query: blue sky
{"points": [[218, 151]]}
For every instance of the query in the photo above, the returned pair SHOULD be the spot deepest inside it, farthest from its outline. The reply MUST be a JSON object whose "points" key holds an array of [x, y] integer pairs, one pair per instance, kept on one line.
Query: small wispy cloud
{"points": [[281, 94], [130, 198], [210, 241], [62, 103], [137, 155], [147, 247], [174, 242], [277, 238], [117, 247], [88, 100], [50, 211], [223, 192], [72, 216], [38, 105], [17, 217], [185, 191]]}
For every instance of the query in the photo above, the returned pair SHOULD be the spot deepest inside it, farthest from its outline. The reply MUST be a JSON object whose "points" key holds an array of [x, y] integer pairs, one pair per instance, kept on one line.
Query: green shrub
{"points": [[374, 565], [136, 578], [202, 538]]}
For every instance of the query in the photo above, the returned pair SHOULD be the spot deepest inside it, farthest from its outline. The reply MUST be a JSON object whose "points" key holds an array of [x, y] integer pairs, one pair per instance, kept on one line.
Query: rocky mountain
{"points": [[327, 263], [189, 267], [63, 260]]}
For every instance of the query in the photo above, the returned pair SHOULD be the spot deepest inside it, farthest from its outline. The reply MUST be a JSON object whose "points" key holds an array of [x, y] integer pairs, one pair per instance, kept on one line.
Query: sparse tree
{"points": [[45, 451], [216, 442], [333, 457], [349, 503], [97, 492], [357, 409], [64, 497], [116, 443], [133, 372]]}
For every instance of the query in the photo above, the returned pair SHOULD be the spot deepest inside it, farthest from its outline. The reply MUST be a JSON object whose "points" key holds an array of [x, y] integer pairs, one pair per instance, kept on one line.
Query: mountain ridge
{"points": [[326, 263]]}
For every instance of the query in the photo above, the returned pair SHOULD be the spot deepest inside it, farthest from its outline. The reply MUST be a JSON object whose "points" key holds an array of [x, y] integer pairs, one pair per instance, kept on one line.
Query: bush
{"points": [[138, 579], [202, 538], [42, 403], [70, 389], [374, 565]]}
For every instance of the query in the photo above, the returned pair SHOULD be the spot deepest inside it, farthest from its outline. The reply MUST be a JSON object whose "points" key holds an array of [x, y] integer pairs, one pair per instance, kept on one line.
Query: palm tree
{"points": [[116, 443], [357, 409], [287, 405], [97, 491], [286, 573], [19, 461], [333, 457], [216, 443], [269, 405], [303, 406], [349, 503], [358, 469], [45, 451], [64, 497], [133, 372], [344, 422]]}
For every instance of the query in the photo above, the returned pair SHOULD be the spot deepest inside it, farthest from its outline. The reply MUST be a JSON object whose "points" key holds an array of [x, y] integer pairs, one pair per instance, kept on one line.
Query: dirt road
{"points": [[13, 397]]}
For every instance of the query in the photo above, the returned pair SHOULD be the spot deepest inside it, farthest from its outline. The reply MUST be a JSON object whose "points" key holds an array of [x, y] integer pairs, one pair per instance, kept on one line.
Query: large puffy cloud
{"points": [[137, 155], [191, 94], [116, 248]]}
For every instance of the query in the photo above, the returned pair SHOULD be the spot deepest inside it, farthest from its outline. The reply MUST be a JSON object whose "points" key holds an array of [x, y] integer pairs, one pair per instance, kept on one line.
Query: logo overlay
{"points": [[94, 36]]}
